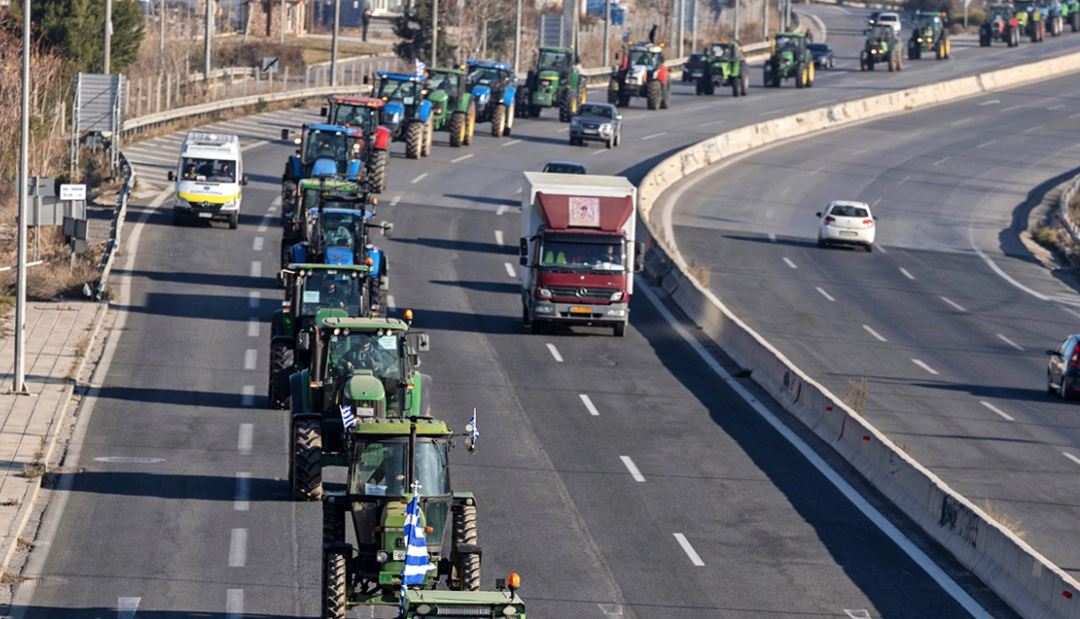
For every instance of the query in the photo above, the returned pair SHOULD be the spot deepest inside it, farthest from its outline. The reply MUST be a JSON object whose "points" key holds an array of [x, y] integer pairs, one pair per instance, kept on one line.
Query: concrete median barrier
{"points": [[1019, 574]]}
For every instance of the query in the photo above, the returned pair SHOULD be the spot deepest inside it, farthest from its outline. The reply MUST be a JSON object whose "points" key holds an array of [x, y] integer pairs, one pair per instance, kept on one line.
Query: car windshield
{"points": [[846, 210], [581, 254], [333, 145], [381, 468], [208, 170], [337, 229], [402, 90], [556, 167], [819, 48], [644, 58], [365, 351], [355, 115], [888, 18], [601, 111], [444, 81], [554, 61], [326, 288], [486, 76]]}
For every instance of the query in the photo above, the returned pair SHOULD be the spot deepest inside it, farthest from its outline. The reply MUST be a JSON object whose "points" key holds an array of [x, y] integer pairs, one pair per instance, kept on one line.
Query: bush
{"points": [[251, 54]]}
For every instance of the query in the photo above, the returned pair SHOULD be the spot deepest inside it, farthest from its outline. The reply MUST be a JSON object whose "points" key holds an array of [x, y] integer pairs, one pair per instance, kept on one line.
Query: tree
{"points": [[414, 28], [76, 28]]}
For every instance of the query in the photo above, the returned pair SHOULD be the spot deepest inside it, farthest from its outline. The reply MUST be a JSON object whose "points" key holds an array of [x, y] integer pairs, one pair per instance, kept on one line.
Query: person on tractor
{"points": [[333, 295], [364, 352], [341, 237]]}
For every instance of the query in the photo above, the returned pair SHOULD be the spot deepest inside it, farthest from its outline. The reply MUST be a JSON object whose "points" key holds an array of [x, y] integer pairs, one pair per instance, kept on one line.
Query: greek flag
{"points": [[417, 563], [347, 417], [419, 67], [474, 434]]}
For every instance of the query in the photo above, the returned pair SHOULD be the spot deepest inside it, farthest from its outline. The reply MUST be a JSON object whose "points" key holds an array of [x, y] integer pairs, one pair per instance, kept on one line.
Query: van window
{"points": [[208, 170]]}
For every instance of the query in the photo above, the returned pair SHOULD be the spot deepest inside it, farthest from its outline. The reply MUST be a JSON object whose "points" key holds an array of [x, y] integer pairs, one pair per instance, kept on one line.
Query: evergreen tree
{"points": [[76, 28], [414, 28]]}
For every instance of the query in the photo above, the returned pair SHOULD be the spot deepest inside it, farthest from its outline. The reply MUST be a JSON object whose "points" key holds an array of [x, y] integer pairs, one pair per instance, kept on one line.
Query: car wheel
{"points": [[869, 247], [821, 242], [1050, 385], [1063, 390]]}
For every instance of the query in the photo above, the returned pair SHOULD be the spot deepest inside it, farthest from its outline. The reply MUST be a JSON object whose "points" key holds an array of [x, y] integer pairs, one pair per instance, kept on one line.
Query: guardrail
{"points": [[116, 226]]}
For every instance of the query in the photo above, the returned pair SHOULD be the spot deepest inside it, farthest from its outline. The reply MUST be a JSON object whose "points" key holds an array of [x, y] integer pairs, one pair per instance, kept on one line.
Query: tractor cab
{"points": [[305, 238], [1000, 14], [723, 51], [404, 96], [929, 24], [494, 75], [449, 81], [326, 151], [648, 56], [876, 36], [340, 235], [556, 61], [349, 111]]}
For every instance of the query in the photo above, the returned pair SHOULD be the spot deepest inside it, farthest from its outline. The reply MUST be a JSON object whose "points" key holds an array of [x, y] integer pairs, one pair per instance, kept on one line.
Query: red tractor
{"points": [[642, 74], [365, 113]]}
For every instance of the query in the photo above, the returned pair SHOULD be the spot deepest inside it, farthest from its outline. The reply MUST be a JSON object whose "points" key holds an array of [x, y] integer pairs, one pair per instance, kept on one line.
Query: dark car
{"points": [[564, 167], [823, 55], [872, 20], [694, 69], [1063, 370]]}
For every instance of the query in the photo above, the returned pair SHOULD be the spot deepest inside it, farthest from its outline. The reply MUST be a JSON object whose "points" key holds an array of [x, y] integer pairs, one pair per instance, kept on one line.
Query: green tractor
{"points": [[789, 58], [555, 82], [368, 365], [724, 65], [452, 105], [389, 460], [312, 292], [1029, 18], [929, 35], [1070, 12], [881, 47]]}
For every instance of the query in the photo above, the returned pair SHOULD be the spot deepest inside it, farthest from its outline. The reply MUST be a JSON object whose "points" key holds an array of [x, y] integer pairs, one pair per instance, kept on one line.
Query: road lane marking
{"points": [[876, 202], [242, 496], [904, 180], [906, 273], [1072, 311], [554, 352], [264, 223], [244, 438], [419, 178], [599, 151], [877, 335], [791, 264], [985, 144], [861, 613], [256, 268], [990, 102], [238, 548], [390, 304], [501, 209], [941, 161], [653, 136], [1071, 457], [825, 294], [250, 356], [253, 299], [962, 121], [1010, 342], [498, 237], [1076, 115], [257, 244], [1032, 129], [1053, 108], [511, 142], [998, 411], [924, 366], [252, 145], [772, 237], [563, 130], [510, 269], [276, 202], [128, 460], [785, 192], [768, 213], [517, 192], [689, 550], [463, 158], [1011, 108], [253, 327], [234, 604], [713, 122], [767, 112], [630, 466], [395, 200], [247, 395], [589, 404], [956, 306], [126, 607]]}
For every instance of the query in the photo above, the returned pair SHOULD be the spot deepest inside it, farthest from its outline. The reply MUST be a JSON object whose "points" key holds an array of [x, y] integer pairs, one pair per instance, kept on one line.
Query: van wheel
{"points": [[234, 221]]}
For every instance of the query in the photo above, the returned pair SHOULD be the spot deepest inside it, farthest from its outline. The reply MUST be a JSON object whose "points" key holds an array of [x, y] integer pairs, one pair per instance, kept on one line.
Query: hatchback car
{"points": [[847, 223], [596, 122], [1063, 369], [564, 167], [694, 68], [889, 19]]}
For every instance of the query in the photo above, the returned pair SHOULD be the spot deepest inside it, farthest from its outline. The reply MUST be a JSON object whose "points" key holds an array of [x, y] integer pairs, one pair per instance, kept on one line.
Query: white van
{"points": [[208, 178], [891, 20]]}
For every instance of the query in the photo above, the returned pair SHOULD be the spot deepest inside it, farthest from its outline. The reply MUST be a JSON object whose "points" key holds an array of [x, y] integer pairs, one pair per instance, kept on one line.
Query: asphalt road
{"points": [[164, 525]]}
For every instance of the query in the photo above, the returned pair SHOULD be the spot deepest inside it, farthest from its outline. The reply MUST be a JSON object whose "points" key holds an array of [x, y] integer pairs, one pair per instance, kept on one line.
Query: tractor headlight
{"points": [[617, 295], [424, 609], [381, 556], [509, 611]]}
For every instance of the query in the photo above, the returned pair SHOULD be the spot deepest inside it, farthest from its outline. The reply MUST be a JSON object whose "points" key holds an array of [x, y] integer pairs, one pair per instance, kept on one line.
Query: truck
{"points": [[577, 252]]}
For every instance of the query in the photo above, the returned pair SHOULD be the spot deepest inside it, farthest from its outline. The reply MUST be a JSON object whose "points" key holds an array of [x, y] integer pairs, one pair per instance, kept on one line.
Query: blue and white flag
{"points": [[419, 67], [417, 563], [474, 432], [347, 416]]}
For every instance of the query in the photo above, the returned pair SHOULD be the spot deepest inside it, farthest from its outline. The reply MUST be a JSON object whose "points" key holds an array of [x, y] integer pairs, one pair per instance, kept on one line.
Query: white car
{"points": [[847, 223], [891, 20]]}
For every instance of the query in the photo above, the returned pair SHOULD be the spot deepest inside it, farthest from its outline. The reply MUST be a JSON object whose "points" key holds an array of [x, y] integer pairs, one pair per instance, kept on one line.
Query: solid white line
{"points": [[990, 102], [250, 356], [463, 158], [1071, 311], [689, 550], [511, 142], [630, 466], [924, 366], [1003, 414], [906, 273], [904, 180], [501, 209], [498, 237], [655, 135], [877, 335], [510, 269], [589, 405], [962, 121], [985, 144], [256, 268], [881, 522], [390, 302], [1073, 116], [395, 200], [825, 294], [257, 244], [941, 161], [956, 306], [1010, 342], [419, 178], [1071, 457], [253, 299], [772, 237], [880, 248], [791, 264], [238, 548], [126, 607], [244, 438], [1055, 107], [234, 603], [247, 395], [253, 327], [242, 495], [554, 352], [1002, 274]]}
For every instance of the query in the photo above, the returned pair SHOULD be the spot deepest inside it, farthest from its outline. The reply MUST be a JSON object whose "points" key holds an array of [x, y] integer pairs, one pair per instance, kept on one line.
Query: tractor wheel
{"points": [[624, 100], [653, 94], [665, 101], [913, 51], [1074, 21], [744, 80], [333, 524], [862, 60], [305, 474], [414, 140], [566, 105], [613, 92], [710, 87], [470, 124], [939, 50], [457, 129], [892, 62], [810, 75], [465, 574], [281, 363], [429, 137], [734, 86], [510, 118], [766, 77], [335, 585], [984, 37], [380, 161], [534, 111], [498, 121], [800, 76]]}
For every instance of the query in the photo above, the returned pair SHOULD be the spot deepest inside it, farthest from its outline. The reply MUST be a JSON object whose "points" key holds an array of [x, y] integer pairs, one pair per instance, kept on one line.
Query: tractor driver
{"points": [[371, 356], [325, 147], [341, 237], [388, 478], [333, 295]]}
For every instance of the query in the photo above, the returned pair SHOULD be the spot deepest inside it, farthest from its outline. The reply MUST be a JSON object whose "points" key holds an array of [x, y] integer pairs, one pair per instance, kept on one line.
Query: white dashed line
{"points": [[985, 144], [390, 304], [906, 273], [689, 550], [463, 158], [713, 122], [861, 613], [589, 405], [962, 121], [257, 244], [956, 306], [272, 209], [880, 248], [876, 201], [510, 269], [925, 367], [126, 607], [630, 466], [234, 603], [563, 130], [1071, 457], [904, 180], [654, 136], [1074, 116], [1032, 129], [238, 548], [419, 178], [554, 352], [990, 102], [599, 151], [877, 335], [264, 223], [785, 192], [941, 161], [511, 142], [767, 112], [247, 395], [1053, 108], [244, 439], [253, 299], [276, 202], [498, 237], [242, 495], [772, 237], [250, 356], [825, 294], [501, 209], [998, 411], [517, 192], [395, 200], [253, 327], [256, 268], [1011, 108], [1005, 339], [791, 264]]}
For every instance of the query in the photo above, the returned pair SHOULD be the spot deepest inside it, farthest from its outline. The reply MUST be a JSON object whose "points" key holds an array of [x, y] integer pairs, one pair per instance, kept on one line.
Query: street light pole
{"points": [[334, 43], [207, 40], [765, 27], [607, 36], [682, 25], [517, 39], [19, 386], [434, 32], [282, 22], [736, 28], [161, 18], [108, 37]]}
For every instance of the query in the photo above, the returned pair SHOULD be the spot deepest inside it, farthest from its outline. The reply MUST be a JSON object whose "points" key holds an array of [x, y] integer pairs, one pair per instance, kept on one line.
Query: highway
{"points": [[619, 476]]}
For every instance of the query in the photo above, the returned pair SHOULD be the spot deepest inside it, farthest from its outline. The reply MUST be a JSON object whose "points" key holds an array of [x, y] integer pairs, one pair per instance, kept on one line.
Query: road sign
{"points": [[72, 192], [269, 64], [42, 186]]}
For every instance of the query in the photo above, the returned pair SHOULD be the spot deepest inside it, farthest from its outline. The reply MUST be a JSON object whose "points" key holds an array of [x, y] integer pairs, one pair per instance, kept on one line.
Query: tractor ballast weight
{"points": [[642, 73], [452, 107], [555, 81], [789, 58], [407, 113], [366, 113], [881, 47], [930, 34], [724, 65], [493, 87], [1000, 25]]}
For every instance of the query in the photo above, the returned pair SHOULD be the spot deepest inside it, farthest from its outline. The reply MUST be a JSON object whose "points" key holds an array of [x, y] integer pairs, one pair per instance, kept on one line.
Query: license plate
{"points": [[577, 309], [593, 131], [846, 233], [399, 555], [206, 215], [365, 411]]}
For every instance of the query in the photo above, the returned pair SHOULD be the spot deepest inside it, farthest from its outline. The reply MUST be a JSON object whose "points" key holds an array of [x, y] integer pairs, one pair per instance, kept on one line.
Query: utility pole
{"points": [[108, 37], [607, 36], [283, 22], [765, 27], [161, 18], [334, 43], [435, 32], [736, 28], [682, 26], [694, 25], [207, 41], [517, 39], [787, 15], [19, 386]]}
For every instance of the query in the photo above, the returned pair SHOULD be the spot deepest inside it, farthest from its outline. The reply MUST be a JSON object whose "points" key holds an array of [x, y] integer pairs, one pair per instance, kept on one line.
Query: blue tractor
{"points": [[407, 113], [494, 87], [323, 151]]}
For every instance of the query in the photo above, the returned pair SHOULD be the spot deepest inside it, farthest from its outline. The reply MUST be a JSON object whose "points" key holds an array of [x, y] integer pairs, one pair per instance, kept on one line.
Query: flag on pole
{"points": [[417, 563], [347, 416], [419, 67], [474, 432]]}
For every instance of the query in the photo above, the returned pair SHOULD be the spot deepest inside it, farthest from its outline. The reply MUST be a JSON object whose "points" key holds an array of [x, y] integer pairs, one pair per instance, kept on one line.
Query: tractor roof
{"points": [[425, 426], [488, 64], [797, 35], [367, 324], [357, 100], [318, 266], [462, 598], [329, 184], [344, 211], [648, 47], [448, 70], [351, 131], [400, 77]]}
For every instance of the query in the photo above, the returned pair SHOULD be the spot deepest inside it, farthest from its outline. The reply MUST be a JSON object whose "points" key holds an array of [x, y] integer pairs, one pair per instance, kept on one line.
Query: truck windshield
{"points": [[208, 170], [381, 468], [405, 91], [365, 351], [361, 116], [561, 252], [325, 288]]}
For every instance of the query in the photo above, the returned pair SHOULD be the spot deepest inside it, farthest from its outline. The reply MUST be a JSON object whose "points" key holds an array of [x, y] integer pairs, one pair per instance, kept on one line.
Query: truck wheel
{"points": [[619, 329], [465, 574], [305, 474], [470, 124], [234, 221], [457, 129], [335, 584], [414, 140], [281, 364], [498, 121], [613, 92], [653, 95]]}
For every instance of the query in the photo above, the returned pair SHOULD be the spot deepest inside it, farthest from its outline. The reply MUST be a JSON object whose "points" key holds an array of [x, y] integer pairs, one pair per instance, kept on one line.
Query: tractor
{"points": [[1070, 12], [1030, 19], [1054, 14], [366, 113], [555, 82], [789, 58], [368, 365], [312, 292], [929, 35], [881, 47], [324, 151], [391, 462], [307, 195], [407, 113], [724, 65], [452, 107], [1000, 25], [493, 86], [641, 74]]}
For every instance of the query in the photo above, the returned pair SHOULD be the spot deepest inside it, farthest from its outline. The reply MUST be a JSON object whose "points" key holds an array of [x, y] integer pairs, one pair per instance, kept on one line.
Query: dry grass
{"points": [[32, 470], [1046, 235], [1009, 522], [856, 394], [699, 272], [318, 50], [7, 578]]}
